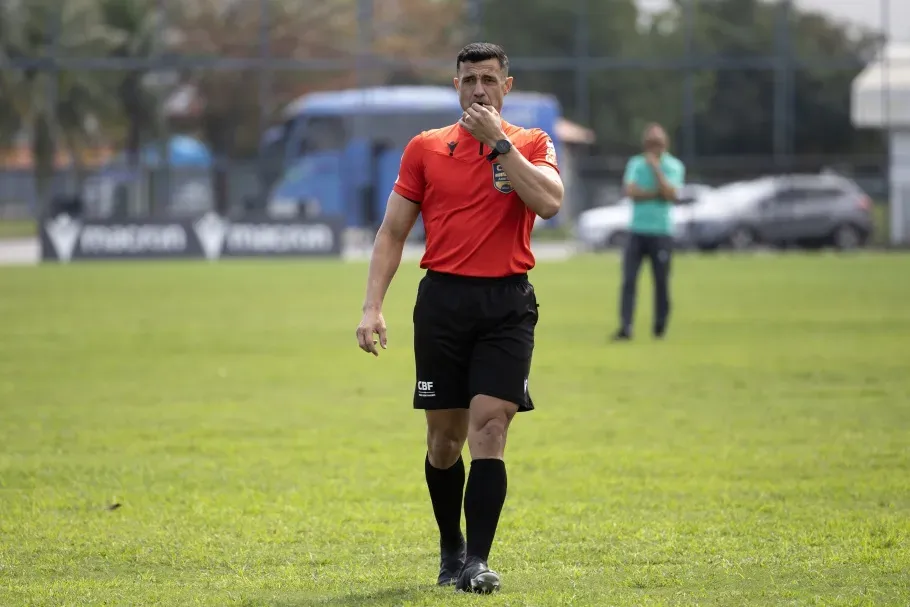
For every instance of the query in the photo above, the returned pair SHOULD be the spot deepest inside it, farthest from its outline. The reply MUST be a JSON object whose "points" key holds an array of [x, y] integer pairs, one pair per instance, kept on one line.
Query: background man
{"points": [[652, 180]]}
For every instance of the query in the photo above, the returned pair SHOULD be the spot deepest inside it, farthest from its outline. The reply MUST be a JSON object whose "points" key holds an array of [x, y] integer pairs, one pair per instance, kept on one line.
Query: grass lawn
{"points": [[760, 456]]}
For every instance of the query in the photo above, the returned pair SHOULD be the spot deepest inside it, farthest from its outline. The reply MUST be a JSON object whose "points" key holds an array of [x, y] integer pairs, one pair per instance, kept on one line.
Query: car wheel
{"points": [[617, 240], [847, 238], [741, 239]]}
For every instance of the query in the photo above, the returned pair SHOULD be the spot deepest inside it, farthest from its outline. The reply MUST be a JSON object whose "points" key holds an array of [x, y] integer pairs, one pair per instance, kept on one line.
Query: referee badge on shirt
{"points": [[551, 151], [500, 179]]}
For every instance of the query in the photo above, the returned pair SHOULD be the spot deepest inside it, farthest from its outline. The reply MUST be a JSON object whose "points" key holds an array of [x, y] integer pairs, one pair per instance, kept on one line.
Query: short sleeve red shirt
{"points": [[475, 223]]}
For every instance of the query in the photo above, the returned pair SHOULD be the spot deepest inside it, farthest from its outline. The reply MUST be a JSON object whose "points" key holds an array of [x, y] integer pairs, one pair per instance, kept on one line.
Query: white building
{"points": [[881, 99]]}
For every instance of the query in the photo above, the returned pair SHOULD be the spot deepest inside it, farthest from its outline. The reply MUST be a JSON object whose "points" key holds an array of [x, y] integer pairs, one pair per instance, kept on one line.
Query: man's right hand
{"points": [[371, 323]]}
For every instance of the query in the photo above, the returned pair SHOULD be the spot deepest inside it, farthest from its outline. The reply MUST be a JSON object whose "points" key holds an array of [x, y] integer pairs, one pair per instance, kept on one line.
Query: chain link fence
{"points": [[110, 88]]}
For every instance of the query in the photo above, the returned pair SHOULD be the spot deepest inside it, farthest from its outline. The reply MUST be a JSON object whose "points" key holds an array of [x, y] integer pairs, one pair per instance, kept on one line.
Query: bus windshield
{"points": [[333, 133]]}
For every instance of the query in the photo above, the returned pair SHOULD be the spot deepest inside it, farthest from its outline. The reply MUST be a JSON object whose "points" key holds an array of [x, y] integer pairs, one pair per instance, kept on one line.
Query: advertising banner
{"points": [[65, 239]]}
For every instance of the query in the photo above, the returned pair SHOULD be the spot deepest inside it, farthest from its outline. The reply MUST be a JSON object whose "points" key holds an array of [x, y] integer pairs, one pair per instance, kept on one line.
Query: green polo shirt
{"points": [[653, 216]]}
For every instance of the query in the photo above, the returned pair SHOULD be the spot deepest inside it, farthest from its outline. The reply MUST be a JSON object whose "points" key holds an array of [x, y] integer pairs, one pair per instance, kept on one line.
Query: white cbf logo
{"points": [[425, 388]]}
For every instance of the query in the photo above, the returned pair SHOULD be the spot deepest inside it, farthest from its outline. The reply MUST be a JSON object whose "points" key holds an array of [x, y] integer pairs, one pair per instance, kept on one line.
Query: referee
{"points": [[479, 184], [652, 180]]}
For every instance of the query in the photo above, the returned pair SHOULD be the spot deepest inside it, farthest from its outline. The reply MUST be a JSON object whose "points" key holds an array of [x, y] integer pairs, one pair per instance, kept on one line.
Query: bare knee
{"points": [[443, 449], [446, 435], [492, 428], [489, 425]]}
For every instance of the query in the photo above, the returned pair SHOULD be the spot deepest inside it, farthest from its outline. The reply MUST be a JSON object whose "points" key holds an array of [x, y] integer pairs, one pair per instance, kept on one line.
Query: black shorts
{"points": [[473, 336]]}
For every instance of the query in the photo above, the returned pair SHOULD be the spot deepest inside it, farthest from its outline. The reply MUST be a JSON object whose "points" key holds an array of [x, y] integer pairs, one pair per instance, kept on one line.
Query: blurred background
{"points": [[792, 116]]}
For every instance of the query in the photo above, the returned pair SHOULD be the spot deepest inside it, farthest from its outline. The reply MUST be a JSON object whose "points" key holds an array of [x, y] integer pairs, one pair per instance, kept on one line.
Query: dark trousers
{"points": [[659, 250]]}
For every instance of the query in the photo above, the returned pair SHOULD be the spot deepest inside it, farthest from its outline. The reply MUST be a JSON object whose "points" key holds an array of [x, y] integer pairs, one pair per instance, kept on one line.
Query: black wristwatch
{"points": [[503, 146]]}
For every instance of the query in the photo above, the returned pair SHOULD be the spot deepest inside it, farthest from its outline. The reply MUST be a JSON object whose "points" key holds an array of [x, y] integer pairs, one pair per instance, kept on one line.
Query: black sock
{"points": [[446, 487], [483, 500]]}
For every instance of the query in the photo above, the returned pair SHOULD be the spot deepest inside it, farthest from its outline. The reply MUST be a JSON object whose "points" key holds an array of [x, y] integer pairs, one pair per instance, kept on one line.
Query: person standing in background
{"points": [[652, 181]]}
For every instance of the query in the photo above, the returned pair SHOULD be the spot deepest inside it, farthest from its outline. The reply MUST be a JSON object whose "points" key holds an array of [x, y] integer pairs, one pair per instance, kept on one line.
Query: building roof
{"points": [[881, 92]]}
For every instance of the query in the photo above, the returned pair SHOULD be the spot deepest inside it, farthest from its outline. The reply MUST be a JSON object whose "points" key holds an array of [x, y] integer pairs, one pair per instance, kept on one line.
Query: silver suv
{"points": [[792, 210]]}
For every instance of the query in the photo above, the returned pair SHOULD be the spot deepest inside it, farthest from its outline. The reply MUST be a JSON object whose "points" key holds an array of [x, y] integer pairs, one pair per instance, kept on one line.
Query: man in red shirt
{"points": [[479, 184]]}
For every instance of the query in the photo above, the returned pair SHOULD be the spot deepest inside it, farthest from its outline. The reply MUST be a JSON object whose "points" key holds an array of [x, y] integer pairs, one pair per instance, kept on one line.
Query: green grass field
{"points": [[760, 456]]}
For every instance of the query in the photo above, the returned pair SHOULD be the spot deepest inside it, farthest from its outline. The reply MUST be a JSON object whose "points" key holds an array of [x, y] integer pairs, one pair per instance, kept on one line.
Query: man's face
{"points": [[655, 141], [482, 82]]}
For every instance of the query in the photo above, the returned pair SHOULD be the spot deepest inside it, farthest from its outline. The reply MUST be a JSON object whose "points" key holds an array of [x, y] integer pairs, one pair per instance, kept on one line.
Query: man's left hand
{"points": [[484, 123]]}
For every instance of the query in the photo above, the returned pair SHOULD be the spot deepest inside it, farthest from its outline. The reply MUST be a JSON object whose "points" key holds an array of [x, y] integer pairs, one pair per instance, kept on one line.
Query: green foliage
{"points": [[734, 108], [137, 27], [55, 108], [759, 456]]}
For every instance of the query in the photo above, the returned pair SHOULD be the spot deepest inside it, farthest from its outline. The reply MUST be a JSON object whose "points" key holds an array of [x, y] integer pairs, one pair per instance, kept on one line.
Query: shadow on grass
{"points": [[381, 596]]}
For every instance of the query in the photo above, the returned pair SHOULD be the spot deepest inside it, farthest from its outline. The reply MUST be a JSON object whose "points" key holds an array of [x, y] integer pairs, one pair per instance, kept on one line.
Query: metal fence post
{"points": [[689, 144], [265, 90], [783, 88], [45, 194], [582, 70], [475, 17], [164, 143]]}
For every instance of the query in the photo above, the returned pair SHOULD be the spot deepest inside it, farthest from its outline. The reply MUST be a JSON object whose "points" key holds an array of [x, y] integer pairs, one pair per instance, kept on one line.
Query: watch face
{"points": [[503, 146]]}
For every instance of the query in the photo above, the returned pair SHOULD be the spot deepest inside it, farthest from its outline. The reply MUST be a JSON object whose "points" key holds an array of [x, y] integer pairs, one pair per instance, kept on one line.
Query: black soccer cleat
{"points": [[476, 577], [451, 561], [621, 335]]}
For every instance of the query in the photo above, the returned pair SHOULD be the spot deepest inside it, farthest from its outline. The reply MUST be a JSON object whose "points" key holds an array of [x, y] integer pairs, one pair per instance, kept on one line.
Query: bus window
{"points": [[322, 134], [400, 128]]}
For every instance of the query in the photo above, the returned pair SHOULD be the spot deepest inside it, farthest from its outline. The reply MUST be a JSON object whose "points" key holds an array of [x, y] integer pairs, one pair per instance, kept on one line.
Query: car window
{"points": [[732, 197], [788, 196], [826, 193], [819, 194]]}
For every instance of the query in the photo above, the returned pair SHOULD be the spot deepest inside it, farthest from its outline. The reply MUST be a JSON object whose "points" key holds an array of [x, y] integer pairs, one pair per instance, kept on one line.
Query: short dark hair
{"points": [[481, 51]]}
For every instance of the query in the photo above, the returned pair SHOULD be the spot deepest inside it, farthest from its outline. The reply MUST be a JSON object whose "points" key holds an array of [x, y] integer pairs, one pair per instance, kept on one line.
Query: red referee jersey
{"points": [[476, 225]]}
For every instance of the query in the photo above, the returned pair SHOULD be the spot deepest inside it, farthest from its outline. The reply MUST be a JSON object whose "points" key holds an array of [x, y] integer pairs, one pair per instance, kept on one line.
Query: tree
{"points": [[551, 28], [52, 106], [230, 105], [738, 116], [418, 29], [228, 100], [136, 29], [734, 107], [821, 97]]}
